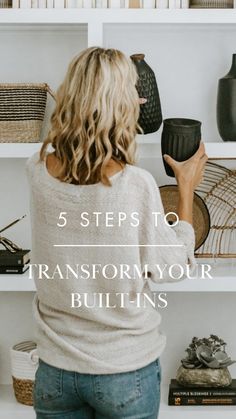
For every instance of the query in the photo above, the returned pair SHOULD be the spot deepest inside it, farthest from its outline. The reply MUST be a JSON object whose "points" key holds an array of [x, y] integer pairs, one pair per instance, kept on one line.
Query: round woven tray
{"points": [[23, 390], [201, 216]]}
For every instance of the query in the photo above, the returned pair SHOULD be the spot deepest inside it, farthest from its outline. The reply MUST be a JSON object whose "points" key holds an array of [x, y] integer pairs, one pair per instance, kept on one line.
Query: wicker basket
{"points": [[24, 363], [211, 4], [22, 110]]}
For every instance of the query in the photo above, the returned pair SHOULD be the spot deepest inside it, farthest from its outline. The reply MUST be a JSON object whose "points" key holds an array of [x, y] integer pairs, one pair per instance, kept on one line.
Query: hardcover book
{"points": [[18, 258], [14, 269], [176, 390], [202, 401]]}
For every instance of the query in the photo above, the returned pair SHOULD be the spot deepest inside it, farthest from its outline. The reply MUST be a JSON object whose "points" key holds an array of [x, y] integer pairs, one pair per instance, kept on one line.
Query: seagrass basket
{"points": [[211, 4], [22, 111], [24, 363]]}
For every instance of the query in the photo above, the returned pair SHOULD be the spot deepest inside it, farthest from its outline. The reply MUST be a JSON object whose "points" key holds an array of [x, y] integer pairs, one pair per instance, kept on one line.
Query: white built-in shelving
{"points": [[86, 16], [189, 49], [95, 19]]}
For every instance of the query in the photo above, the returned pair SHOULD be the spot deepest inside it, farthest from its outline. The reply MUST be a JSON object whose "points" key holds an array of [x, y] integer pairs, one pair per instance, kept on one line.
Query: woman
{"points": [[95, 246]]}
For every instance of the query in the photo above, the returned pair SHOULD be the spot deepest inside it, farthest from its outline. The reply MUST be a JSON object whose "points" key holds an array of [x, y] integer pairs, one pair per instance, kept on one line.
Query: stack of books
{"points": [[87, 4], [201, 396], [14, 263]]}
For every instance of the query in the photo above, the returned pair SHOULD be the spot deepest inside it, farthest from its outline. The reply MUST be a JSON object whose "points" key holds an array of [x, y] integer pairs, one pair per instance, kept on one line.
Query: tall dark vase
{"points": [[226, 104], [150, 117], [180, 139]]}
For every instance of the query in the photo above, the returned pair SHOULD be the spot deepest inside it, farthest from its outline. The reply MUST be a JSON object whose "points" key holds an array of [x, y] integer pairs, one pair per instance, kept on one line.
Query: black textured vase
{"points": [[150, 117], [180, 139], [226, 104]]}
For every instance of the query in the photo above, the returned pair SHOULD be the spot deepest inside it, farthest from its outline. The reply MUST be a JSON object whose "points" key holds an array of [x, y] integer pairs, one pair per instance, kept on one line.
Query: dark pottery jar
{"points": [[226, 104], [180, 139], [150, 117]]}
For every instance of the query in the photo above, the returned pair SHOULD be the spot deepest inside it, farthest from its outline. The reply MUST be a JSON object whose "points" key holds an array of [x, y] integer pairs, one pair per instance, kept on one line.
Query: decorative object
{"points": [[203, 377], [22, 110], [5, 4], [180, 139], [150, 113], [206, 364], [134, 4], [24, 363], [13, 259], [8, 244], [201, 216], [226, 104], [218, 190], [211, 4]]}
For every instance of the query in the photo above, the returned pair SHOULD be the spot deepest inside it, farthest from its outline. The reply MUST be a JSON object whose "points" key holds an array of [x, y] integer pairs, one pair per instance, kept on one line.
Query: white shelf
{"points": [[147, 144], [81, 16], [15, 282], [10, 408], [18, 150], [223, 273]]}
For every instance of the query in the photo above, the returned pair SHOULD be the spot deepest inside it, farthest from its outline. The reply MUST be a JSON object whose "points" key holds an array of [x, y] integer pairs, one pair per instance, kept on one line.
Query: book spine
{"points": [[115, 4], [88, 4], [174, 4], [202, 393], [11, 262], [101, 4], [74, 4], [12, 269], [4, 4], [59, 4], [184, 4], [134, 4], [148, 4], [162, 4], [25, 4], [202, 401], [14, 260], [34, 4], [50, 4], [15, 4], [42, 4]]}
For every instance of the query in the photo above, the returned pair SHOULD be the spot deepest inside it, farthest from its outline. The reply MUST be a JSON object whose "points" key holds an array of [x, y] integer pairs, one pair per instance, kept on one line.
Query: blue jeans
{"points": [[61, 394]]}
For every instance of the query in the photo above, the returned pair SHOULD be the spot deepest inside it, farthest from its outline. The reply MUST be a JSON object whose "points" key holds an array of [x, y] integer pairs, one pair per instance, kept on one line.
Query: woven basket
{"points": [[24, 363], [211, 4], [22, 110]]}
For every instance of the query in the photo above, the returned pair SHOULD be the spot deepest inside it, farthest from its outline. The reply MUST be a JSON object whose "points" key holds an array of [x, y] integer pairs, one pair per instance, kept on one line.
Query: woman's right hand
{"points": [[189, 173]]}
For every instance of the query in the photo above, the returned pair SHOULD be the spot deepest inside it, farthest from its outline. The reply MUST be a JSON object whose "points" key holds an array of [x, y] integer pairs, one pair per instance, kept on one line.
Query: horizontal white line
{"points": [[118, 245]]}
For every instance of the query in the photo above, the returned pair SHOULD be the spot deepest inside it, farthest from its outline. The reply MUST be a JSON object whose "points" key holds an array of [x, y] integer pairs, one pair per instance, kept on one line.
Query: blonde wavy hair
{"points": [[95, 117]]}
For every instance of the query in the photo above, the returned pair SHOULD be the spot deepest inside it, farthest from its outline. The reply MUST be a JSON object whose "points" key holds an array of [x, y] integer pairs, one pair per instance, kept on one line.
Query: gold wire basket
{"points": [[218, 190]]}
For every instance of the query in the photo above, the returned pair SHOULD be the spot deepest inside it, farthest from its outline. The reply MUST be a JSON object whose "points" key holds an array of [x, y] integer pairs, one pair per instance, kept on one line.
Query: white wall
{"points": [[16, 325]]}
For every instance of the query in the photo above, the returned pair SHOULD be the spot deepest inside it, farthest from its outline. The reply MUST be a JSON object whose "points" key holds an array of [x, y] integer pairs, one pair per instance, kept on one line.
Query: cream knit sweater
{"points": [[115, 335]]}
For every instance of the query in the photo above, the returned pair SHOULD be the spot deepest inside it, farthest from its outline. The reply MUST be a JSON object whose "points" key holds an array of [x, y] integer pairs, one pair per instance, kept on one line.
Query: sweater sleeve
{"points": [[168, 251]]}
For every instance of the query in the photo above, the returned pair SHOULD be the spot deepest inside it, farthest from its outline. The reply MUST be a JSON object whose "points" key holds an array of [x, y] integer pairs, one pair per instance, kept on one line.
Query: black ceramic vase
{"points": [[226, 104], [180, 139], [150, 117]]}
